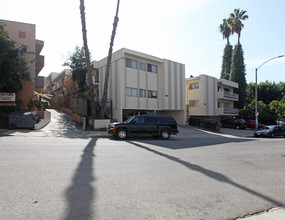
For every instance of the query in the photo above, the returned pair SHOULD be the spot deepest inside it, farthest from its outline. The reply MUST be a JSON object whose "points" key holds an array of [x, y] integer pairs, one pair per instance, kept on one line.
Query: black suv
{"points": [[144, 125]]}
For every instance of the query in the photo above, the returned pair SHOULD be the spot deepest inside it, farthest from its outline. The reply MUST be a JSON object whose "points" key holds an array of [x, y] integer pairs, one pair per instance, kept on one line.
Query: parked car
{"points": [[234, 123], [251, 124], [270, 131], [145, 125]]}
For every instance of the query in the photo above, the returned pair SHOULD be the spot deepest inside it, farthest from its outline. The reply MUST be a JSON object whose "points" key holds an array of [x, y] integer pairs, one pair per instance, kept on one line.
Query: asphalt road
{"points": [[53, 174]]}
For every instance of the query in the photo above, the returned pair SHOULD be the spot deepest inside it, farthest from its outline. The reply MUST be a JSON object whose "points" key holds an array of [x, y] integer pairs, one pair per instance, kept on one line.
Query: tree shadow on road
{"points": [[81, 193], [209, 173]]}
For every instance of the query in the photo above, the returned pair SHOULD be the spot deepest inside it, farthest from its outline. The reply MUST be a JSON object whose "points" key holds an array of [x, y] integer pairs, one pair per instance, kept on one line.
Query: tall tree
{"points": [[238, 74], [268, 91], [13, 66], [235, 21], [77, 63], [109, 59], [227, 57], [225, 30], [278, 107], [87, 56], [227, 62]]}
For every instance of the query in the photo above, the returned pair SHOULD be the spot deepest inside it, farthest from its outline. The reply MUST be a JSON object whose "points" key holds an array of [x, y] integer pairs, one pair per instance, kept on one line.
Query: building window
{"points": [[142, 93], [152, 68], [131, 63], [142, 66], [131, 92], [226, 89], [227, 105], [152, 94], [194, 85], [194, 103], [22, 34], [95, 77]]}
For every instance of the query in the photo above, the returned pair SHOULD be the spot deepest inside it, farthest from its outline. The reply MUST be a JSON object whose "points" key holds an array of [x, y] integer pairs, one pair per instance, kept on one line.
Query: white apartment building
{"points": [[142, 83], [210, 97]]}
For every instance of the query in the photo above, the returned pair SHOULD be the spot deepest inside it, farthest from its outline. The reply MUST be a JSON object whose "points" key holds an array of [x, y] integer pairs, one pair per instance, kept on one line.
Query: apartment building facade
{"points": [[25, 34], [210, 97], [141, 83]]}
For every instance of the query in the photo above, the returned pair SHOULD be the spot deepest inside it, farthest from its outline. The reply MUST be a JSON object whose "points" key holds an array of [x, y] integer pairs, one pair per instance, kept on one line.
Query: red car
{"points": [[251, 124], [234, 123]]}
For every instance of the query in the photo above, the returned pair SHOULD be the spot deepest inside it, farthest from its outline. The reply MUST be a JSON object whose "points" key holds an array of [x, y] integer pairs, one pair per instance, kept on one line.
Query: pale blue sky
{"points": [[186, 31]]}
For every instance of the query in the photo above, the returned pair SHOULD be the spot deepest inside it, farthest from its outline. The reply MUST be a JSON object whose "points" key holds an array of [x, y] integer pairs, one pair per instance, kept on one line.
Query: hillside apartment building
{"points": [[25, 34], [142, 83], [209, 97], [138, 83]]}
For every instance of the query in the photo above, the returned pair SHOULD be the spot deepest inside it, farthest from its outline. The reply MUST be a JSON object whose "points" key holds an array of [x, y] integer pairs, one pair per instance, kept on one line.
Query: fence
{"points": [[77, 105], [209, 124], [108, 109]]}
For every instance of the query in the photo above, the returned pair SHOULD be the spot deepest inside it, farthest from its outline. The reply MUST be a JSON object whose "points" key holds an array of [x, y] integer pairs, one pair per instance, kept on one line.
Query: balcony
{"points": [[39, 46], [40, 63], [228, 96], [228, 111]]}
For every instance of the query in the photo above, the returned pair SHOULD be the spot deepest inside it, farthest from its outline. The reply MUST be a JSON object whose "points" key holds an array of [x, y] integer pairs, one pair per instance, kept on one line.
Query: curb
{"points": [[274, 213]]}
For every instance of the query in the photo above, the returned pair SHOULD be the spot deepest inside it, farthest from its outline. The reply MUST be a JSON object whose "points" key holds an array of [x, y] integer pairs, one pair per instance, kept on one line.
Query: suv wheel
{"points": [[121, 134], [165, 134]]}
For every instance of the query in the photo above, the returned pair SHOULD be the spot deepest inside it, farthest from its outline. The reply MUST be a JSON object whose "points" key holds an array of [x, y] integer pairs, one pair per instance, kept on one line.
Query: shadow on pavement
{"points": [[212, 174], [190, 139], [80, 194]]}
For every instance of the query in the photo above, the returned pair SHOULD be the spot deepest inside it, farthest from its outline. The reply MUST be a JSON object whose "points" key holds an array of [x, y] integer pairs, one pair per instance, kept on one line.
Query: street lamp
{"points": [[256, 106]]}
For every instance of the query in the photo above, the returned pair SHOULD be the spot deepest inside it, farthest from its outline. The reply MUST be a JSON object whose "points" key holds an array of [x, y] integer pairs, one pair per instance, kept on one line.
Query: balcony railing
{"points": [[228, 111], [228, 95]]}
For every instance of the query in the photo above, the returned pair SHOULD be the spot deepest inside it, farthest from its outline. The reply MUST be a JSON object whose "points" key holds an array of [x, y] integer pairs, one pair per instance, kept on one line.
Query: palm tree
{"points": [[109, 59], [87, 55], [225, 30], [227, 57], [235, 21]]}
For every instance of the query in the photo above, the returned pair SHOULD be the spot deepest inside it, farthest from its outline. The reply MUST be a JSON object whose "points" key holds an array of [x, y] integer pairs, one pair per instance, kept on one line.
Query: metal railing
{"points": [[228, 95]]}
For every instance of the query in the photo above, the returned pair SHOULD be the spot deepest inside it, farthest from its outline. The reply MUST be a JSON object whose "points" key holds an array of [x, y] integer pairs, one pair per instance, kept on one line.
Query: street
{"points": [[195, 175]]}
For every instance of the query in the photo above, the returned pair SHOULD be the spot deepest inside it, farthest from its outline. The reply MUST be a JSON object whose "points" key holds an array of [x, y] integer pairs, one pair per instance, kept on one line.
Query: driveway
{"points": [[61, 125]]}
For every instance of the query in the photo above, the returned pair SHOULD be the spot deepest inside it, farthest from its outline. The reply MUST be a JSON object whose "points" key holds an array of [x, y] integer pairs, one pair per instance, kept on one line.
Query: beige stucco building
{"points": [[210, 97], [142, 83], [25, 34]]}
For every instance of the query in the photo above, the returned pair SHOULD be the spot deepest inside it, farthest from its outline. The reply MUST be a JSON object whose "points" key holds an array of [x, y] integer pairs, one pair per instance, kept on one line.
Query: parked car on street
{"points": [[145, 125], [270, 131], [234, 123], [251, 124]]}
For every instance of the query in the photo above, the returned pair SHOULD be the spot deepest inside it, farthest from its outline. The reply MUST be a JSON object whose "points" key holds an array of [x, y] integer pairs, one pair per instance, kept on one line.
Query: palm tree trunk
{"points": [[87, 56], [109, 59], [238, 38]]}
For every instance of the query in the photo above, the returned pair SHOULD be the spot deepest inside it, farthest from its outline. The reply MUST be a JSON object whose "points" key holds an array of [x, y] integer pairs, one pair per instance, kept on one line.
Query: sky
{"points": [[185, 31]]}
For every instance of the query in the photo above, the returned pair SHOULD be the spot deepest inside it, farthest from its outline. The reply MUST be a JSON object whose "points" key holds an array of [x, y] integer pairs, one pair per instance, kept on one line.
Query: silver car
{"points": [[270, 131]]}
